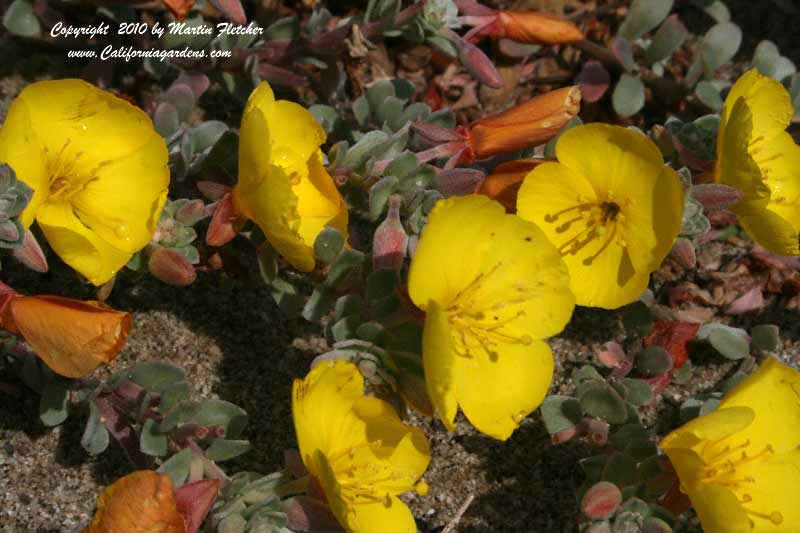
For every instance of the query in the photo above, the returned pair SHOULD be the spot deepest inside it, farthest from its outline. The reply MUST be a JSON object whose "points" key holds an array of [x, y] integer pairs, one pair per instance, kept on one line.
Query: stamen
{"points": [[588, 261], [579, 207]]}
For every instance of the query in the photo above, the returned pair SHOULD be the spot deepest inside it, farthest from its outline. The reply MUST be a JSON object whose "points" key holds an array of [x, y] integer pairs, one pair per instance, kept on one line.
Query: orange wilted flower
{"points": [[504, 182], [179, 8], [521, 26], [72, 337], [141, 502], [528, 124]]}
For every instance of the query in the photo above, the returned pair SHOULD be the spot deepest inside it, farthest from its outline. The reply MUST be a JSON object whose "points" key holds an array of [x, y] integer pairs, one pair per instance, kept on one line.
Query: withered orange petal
{"points": [[72, 337], [179, 8], [503, 184], [537, 28], [141, 502], [529, 124]]}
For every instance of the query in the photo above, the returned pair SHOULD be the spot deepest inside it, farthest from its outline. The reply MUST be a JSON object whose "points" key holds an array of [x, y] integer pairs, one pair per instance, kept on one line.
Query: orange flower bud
{"points": [[503, 184], [72, 337], [141, 502], [531, 123], [179, 8], [535, 28]]}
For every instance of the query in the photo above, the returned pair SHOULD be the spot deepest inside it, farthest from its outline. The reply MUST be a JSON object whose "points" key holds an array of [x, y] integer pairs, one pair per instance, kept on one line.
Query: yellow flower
{"points": [[757, 156], [740, 464], [611, 207], [492, 287], [357, 449], [283, 186], [98, 170]]}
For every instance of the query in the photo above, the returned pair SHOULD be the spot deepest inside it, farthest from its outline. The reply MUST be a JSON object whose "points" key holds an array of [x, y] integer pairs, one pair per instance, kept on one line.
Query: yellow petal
{"points": [[773, 393], [321, 403], [735, 166], [779, 162], [457, 227], [613, 159], [719, 510], [254, 141], [319, 203], [294, 134], [767, 227], [396, 446], [667, 215], [774, 495], [79, 246], [389, 514], [496, 394], [21, 148], [123, 204], [715, 425], [439, 362], [282, 184], [769, 101], [525, 283]]}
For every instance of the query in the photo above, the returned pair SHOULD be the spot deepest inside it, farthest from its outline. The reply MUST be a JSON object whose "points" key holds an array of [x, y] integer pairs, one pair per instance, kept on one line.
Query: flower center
{"points": [[362, 481], [67, 176], [726, 466], [481, 324], [586, 223]]}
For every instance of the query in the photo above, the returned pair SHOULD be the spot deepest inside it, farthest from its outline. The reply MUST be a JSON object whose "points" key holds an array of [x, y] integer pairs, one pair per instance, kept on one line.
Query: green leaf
{"points": [[628, 97], [766, 56], [719, 46], [151, 440], [361, 110], [345, 328], [560, 413], [284, 29], [765, 338], [654, 361], [669, 37], [166, 119], [381, 283], [379, 195], [719, 11], [600, 400], [328, 245], [378, 92], [620, 469], [731, 343], [367, 146], [95, 437], [325, 115], [177, 467], [640, 392], [207, 134], [53, 403], [230, 417], [586, 373], [224, 449], [156, 376], [643, 16], [708, 93], [20, 19], [172, 395], [371, 332], [402, 166]]}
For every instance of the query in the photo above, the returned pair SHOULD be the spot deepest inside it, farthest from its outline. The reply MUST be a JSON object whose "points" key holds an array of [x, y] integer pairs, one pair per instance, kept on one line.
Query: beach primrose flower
{"points": [[740, 464], [610, 206], [357, 450], [97, 168], [492, 287], [757, 156], [283, 186]]}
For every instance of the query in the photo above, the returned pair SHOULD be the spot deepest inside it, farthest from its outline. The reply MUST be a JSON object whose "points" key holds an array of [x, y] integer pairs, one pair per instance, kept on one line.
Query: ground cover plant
{"points": [[399, 266]]}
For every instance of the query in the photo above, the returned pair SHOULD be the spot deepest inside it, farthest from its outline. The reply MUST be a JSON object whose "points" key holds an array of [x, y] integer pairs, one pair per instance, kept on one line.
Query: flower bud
{"points": [[459, 181], [171, 267], [478, 64], [224, 224], [503, 184], [601, 500], [684, 253], [529, 124], [716, 195], [391, 240], [30, 254], [194, 500]]}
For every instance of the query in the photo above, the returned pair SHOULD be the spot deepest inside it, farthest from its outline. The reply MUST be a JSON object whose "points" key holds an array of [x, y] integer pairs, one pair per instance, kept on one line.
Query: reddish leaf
{"points": [[674, 337], [194, 500]]}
